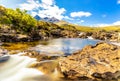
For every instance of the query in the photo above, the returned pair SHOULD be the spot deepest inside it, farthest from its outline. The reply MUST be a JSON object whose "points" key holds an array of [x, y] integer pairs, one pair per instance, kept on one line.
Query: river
{"points": [[16, 68]]}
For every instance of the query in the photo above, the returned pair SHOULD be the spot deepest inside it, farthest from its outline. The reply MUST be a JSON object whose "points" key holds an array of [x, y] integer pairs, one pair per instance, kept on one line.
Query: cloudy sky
{"points": [[83, 12]]}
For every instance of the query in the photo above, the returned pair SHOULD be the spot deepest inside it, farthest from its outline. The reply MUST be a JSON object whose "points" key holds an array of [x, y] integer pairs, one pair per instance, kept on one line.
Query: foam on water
{"points": [[16, 69]]}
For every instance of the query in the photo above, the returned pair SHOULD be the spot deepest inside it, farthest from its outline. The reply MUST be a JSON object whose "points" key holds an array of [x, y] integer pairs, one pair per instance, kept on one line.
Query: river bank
{"points": [[7, 34]]}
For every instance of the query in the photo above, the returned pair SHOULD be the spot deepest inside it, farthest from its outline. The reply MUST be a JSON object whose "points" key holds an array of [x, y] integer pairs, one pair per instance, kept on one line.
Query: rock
{"points": [[3, 52], [39, 56], [104, 35], [85, 34], [4, 58], [97, 62], [45, 66], [68, 34]]}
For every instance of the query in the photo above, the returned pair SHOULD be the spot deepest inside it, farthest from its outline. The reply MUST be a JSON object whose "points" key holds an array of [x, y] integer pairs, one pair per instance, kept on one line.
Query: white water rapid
{"points": [[16, 69]]}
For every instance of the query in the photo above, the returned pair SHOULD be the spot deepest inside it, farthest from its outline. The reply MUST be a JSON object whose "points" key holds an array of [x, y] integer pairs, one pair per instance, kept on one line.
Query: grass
{"points": [[91, 29], [94, 29], [111, 28]]}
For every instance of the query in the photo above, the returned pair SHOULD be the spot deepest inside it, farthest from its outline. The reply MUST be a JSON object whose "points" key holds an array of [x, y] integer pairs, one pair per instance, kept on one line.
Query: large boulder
{"points": [[101, 61]]}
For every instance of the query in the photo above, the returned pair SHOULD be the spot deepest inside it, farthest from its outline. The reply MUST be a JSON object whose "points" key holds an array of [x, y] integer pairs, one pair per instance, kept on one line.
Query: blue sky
{"points": [[83, 12]]}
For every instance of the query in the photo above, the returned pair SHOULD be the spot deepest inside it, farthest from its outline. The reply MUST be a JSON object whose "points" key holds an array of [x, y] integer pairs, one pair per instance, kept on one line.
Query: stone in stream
{"points": [[4, 58], [101, 62], [3, 52], [41, 57]]}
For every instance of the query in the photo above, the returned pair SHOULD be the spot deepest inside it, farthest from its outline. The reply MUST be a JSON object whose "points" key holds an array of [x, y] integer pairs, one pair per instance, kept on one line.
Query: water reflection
{"points": [[55, 46], [64, 46]]}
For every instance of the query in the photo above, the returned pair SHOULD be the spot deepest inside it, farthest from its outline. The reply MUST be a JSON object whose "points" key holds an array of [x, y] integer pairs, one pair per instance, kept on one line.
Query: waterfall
{"points": [[16, 69]]}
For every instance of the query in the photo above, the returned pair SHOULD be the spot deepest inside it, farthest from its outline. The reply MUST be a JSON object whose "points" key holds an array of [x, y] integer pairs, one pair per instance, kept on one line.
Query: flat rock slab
{"points": [[4, 58]]}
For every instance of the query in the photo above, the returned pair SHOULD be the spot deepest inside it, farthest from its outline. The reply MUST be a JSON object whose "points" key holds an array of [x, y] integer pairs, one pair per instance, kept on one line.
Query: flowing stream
{"points": [[16, 67]]}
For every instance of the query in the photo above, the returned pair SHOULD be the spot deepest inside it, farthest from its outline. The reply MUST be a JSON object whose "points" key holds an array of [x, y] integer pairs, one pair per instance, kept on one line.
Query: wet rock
{"points": [[39, 56], [97, 62], [104, 35], [48, 66], [68, 34], [85, 34], [3, 52], [4, 58], [7, 38]]}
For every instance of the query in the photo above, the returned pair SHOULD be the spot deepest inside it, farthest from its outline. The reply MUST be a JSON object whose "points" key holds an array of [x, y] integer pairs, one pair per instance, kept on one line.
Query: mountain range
{"points": [[79, 27], [47, 19]]}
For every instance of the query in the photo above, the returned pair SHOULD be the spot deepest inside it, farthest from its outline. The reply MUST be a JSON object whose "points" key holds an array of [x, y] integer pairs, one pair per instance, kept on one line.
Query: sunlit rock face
{"points": [[15, 68], [101, 61]]}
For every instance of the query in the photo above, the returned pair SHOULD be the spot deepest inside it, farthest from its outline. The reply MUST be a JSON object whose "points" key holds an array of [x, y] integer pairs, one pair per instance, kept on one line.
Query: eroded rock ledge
{"points": [[100, 62]]}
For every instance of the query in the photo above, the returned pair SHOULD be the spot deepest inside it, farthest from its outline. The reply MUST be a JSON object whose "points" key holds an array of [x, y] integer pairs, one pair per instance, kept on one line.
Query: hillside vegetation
{"points": [[17, 25], [90, 29], [17, 19]]}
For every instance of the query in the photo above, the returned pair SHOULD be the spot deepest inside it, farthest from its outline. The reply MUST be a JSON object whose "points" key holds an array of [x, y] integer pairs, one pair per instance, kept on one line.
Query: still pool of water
{"points": [[64, 46]]}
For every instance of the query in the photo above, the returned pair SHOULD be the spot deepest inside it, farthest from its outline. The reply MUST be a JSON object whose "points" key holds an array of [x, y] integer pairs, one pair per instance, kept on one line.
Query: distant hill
{"points": [[37, 17], [78, 27], [88, 28], [60, 23], [47, 19], [111, 28]]}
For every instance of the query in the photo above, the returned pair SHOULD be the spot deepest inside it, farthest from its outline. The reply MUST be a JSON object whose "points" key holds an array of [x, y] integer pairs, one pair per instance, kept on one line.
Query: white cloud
{"points": [[68, 18], [118, 1], [30, 5], [78, 22], [116, 23], [33, 13], [80, 14], [48, 2], [82, 21], [103, 24], [48, 8], [3, 5], [54, 11], [44, 8]]}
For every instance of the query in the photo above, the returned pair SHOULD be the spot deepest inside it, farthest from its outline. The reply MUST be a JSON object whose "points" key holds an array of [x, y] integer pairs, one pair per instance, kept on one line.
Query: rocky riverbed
{"points": [[11, 35], [92, 63]]}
